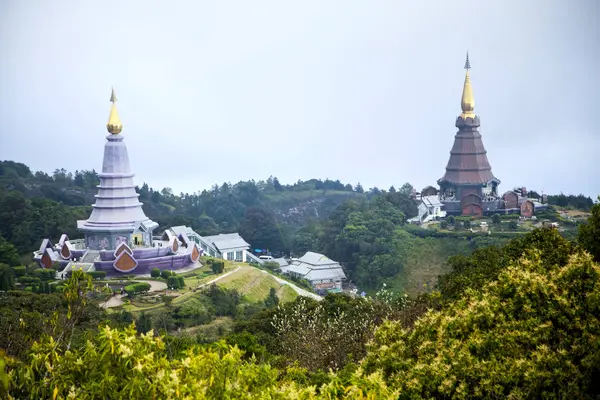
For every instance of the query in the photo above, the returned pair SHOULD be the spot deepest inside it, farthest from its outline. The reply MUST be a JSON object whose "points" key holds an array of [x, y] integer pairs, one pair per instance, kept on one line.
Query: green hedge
{"points": [[44, 274], [28, 280], [20, 270], [155, 273], [166, 274], [175, 282], [218, 266], [135, 288], [97, 274]]}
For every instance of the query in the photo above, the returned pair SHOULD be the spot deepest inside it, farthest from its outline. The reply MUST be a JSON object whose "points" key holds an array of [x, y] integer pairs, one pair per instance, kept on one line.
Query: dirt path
{"points": [[220, 277]]}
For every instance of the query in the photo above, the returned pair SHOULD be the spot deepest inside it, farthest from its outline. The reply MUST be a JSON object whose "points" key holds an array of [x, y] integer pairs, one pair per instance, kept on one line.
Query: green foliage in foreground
{"points": [[533, 333], [589, 233]]}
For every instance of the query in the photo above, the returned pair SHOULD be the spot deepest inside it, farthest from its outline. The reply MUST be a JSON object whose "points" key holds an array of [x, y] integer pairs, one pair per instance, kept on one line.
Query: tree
{"points": [[144, 323], [484, 265], [358, 188], [526, 335], [8, 253], [589, 233], [276, 185], [124, 364], [260, 229], [496, 219], [7, 278], [272, 300]]}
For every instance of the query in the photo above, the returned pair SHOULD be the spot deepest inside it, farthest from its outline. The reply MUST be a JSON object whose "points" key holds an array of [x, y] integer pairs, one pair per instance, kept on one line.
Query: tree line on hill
{"points": [[515, 321], [364, 230]]}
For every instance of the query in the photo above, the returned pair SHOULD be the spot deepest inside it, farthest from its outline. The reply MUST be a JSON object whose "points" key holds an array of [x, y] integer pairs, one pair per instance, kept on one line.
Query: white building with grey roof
{"points": [[228, 246], [322, 272]]}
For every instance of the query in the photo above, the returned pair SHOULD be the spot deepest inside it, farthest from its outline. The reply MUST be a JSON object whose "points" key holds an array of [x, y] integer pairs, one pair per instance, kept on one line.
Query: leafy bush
{"points": [[485, 264], [28, 280], [165, 273], [44, 274], [155, 273], [271, 265], [7, 277], [589, 233], [444, 224], [225, 301], [181, 280], [123, 364], [513, 225], [532, 333], [496, 219], [135, 288], [173, 282], [97, 274], [218, 266]]}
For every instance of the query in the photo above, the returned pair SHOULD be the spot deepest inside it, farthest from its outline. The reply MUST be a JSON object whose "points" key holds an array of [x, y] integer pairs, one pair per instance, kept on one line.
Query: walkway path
{"points": [[220, 277], [299, 290]]}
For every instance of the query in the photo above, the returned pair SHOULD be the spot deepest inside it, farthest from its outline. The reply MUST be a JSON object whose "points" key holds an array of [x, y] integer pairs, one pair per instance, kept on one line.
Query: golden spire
{"points": [[114, 124], [467, 102]]}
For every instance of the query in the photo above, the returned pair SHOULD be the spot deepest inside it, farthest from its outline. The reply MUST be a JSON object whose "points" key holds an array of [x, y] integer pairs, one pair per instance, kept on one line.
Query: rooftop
{"points": [[227, 241]]}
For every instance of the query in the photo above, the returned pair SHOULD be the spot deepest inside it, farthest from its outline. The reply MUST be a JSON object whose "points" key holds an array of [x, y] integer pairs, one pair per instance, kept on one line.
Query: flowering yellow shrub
{"points": [[535, 332]]}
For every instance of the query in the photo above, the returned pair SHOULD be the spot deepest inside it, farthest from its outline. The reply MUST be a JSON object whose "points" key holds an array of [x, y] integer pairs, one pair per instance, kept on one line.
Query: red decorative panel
{"points": [[46, 260], [125, 262], [65, 252], [195, 253], [527, 209], [123, 247], [511, 200]]}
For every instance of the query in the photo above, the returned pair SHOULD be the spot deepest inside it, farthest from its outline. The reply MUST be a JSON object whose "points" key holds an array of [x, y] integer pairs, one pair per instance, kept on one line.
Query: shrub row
{"points": [[97, 274], [44, 274]]}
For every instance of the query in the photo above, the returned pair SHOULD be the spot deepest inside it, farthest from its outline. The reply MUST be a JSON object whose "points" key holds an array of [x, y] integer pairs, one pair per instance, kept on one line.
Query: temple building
{"points": [[118, 235], [117, 217], [468, 186]]}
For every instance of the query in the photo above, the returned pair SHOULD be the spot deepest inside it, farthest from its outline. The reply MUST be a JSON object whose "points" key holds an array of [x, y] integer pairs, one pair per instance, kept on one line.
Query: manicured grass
{"points": [[255, 285], [286, 294]]}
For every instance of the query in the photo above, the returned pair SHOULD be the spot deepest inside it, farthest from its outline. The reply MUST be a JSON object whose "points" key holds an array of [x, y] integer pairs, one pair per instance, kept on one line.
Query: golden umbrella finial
{"points": [[467, 102], [114, 124]]}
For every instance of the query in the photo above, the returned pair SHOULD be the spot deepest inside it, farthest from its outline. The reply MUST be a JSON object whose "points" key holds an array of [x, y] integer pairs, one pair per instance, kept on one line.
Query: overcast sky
{"points": [[361, 91]]}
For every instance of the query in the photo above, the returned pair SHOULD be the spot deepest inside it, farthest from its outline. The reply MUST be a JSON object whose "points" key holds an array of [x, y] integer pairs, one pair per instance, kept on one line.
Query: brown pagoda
{"points": [[468, 187]]}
